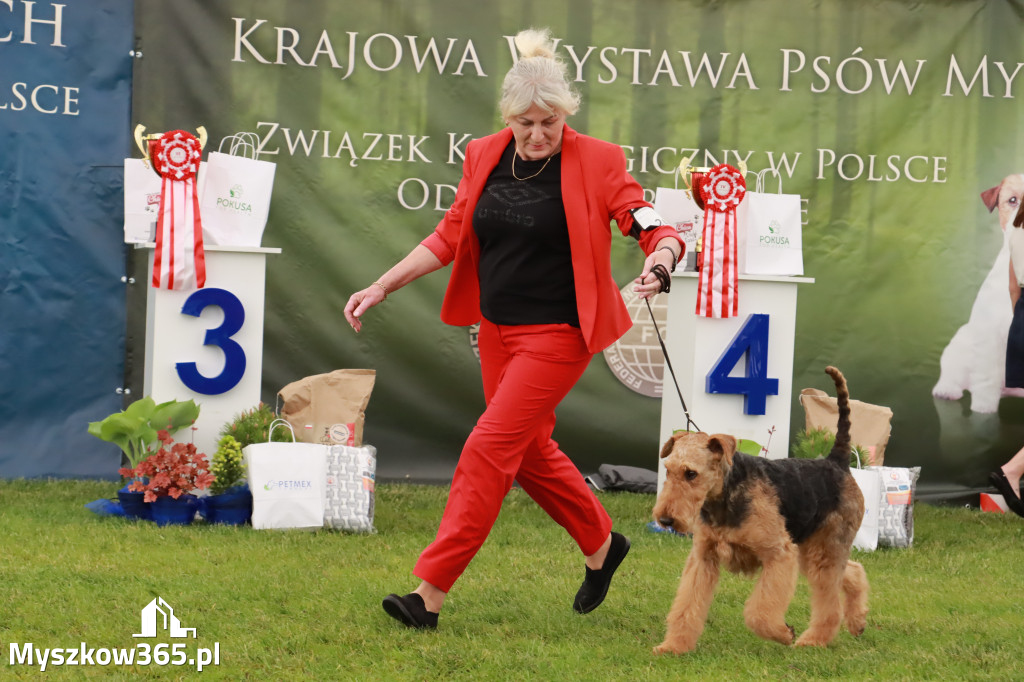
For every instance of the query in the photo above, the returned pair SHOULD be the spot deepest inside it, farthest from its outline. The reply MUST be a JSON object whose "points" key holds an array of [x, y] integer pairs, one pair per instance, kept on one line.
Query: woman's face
{"points": [[538, 133]]}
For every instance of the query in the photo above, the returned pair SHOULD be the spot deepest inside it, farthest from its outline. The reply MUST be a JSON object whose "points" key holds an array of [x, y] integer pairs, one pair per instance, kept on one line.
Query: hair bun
{"points": [[533, 42]]}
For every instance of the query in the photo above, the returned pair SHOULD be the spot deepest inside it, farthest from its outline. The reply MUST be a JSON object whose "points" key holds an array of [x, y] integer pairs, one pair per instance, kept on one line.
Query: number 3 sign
{"points": [[219, 337], [207, 344]]}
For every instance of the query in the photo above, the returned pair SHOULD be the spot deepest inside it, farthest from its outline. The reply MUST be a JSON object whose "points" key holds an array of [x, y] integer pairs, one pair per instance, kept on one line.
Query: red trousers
{"points": [[527, 370]]}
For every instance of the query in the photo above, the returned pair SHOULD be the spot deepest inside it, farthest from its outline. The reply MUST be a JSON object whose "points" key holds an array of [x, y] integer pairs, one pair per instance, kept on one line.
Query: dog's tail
{"points": [[841, 449]]}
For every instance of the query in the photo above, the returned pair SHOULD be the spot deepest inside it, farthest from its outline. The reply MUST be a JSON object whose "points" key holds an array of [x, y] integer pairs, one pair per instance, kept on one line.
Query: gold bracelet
{"points": [[382, 287]]}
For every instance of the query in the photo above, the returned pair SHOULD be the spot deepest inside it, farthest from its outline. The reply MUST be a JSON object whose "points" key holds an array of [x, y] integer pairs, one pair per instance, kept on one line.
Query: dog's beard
{"points": [[681, 509]]}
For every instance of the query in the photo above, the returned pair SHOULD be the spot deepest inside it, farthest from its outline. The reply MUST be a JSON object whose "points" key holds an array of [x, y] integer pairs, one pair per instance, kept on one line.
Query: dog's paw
{"points": [[984, 403], [947, 391], [812, 639], [666, 648]]}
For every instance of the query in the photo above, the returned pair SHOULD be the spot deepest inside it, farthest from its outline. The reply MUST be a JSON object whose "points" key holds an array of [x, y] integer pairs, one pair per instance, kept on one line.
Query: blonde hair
{"points": [[539, 77]]}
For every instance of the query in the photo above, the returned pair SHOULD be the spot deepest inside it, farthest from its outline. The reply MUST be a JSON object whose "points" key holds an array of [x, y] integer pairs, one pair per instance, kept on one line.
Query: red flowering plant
{"points": [[175, 469]]}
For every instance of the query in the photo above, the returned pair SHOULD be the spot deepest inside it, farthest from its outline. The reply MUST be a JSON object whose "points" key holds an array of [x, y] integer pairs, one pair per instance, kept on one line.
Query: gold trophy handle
{"points": [[139, 129], [202, 136], [684, 172]]}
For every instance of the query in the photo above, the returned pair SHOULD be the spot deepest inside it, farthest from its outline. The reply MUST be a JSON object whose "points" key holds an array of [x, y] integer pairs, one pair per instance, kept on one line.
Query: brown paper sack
{"points": [[329, 408], [870, 425]]}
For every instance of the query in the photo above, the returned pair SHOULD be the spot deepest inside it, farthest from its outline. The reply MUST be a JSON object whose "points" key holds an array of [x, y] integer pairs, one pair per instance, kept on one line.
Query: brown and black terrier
{"points": [[783, 516]]}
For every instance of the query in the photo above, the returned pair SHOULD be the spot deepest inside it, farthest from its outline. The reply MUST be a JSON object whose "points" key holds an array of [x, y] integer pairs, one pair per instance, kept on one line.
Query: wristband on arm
{"points": [[675, 259]]}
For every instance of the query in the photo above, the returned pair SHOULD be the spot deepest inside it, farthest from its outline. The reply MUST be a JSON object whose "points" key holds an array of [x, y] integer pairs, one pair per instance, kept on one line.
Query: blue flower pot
{"points": [[134, 505], [232, 507], [168, 511]]}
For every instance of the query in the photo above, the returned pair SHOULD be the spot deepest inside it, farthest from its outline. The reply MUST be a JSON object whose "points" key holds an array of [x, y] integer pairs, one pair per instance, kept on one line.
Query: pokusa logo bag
{"points": [[235, 192], [771, 231]]}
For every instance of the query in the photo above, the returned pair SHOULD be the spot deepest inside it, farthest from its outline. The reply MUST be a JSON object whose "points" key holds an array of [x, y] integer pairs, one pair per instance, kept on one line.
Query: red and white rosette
{"points": [[722, 190], [179, 261]]}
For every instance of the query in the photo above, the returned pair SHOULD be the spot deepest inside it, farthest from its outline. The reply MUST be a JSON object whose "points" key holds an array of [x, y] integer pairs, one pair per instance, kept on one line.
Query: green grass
{"points": [[306, 606]]}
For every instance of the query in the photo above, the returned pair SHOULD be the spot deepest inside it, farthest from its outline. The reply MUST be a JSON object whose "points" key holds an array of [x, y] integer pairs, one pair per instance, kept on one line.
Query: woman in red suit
{"points": [[529, 240]]}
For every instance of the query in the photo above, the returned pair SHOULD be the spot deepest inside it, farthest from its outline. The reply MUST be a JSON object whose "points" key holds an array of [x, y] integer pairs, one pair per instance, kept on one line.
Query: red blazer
{"points": [[595, 189]]}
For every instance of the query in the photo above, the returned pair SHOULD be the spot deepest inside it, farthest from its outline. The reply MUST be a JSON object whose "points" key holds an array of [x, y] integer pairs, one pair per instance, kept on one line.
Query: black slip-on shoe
{"points": [[595, 585], [1013, 501], [410, 610]]}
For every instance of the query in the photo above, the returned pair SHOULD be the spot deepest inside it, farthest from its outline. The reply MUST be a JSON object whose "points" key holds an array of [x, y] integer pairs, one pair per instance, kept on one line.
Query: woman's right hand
{"points": [[360, 302], [419, 262]]}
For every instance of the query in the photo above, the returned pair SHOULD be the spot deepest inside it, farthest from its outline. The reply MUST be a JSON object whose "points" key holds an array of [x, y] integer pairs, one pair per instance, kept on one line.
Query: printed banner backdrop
{"points": [[890, 118], [64, 117]]}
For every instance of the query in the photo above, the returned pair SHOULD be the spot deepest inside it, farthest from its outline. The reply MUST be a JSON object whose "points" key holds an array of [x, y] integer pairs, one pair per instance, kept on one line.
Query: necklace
{"points": [[514, 155]]}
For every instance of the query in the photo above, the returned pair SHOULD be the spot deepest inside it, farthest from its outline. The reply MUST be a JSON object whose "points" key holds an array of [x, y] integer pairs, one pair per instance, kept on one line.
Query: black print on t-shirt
{"points": [[512, 195]]}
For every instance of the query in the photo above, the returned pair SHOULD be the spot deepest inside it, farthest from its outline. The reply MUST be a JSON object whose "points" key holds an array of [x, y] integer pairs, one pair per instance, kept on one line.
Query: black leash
{"points": [[662, 274]]}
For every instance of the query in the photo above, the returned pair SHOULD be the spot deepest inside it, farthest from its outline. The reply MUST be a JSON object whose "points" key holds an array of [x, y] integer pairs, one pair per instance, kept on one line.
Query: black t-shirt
{"points": [[526, 274]]}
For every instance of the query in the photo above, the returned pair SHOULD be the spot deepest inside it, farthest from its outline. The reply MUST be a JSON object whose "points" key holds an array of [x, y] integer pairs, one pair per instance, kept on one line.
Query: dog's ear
{"points": [[666, 449], [991, 197], [723, 445]]}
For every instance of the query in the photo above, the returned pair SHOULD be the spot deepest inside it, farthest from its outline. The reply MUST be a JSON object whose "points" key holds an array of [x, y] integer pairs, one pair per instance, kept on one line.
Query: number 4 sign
{"points": [[751, 342]]}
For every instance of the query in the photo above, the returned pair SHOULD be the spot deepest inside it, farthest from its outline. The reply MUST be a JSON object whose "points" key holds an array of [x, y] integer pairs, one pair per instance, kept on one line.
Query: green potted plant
{"points": [[251, 426], [136, 431], [817, 443], [230, 499]]}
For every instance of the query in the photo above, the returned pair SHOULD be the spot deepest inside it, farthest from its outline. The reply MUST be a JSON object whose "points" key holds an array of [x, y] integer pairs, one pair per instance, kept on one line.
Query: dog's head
{"points": [[1007, 197], [695, 466]]}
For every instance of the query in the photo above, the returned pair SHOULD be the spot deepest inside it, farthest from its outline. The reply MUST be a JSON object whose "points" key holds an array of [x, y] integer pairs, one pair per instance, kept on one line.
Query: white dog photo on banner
{"points": [[975, 358]]}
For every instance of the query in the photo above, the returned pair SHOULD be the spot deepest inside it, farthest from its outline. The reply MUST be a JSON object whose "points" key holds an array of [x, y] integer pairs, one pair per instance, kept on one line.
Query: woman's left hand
{"points": [[647, 285]]}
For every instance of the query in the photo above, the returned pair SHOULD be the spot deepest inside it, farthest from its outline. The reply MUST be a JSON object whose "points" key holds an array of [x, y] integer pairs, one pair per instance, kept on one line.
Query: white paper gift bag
{"points": [[288, 483], [770, 232], [870, 483], [235, 190], [141, 201], [677, 208]]}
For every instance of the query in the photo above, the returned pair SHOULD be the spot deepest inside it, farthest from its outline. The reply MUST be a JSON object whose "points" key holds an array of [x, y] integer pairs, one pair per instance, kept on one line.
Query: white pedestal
{"points": [[207, 344], [696, 345]]}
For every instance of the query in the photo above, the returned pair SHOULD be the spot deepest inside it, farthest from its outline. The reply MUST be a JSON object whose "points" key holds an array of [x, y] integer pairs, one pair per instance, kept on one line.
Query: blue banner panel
{"points": [[65, 93]]}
